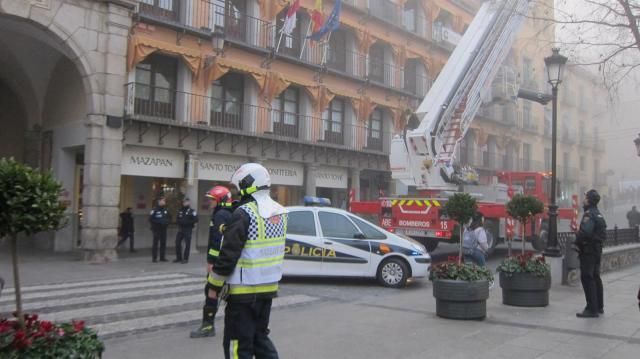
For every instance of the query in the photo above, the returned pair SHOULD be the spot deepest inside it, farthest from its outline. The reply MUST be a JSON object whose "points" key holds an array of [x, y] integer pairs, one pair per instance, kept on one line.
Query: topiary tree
{"points": [[29, 204], [461, 207], [523, 208]]}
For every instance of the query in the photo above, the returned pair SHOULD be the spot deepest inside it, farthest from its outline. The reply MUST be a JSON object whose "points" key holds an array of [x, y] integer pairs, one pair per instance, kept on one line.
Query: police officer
{"points": [[220, 199], [186, 219], [589, 241], [247, 272], [159, 219]]}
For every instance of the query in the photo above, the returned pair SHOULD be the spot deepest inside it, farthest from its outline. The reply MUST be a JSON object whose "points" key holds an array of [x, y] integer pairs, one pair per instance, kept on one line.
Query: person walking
{"points": [[633, 216], [249, 267], [126, 229], [159, 219], [187, 218], [474, 244], [589, 241], [221, 201]]}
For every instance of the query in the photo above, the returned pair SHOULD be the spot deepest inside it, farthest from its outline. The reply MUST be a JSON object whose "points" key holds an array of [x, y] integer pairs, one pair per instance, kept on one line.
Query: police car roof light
{"points": [[316, 201]]}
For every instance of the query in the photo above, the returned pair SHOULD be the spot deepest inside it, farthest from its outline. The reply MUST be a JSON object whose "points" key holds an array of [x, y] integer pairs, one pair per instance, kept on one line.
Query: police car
{"points": [[323, 241]]}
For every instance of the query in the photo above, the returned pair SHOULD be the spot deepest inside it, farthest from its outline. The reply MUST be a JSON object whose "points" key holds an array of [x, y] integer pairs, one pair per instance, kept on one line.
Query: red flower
{"points": [[78, 325], [46, 326]]}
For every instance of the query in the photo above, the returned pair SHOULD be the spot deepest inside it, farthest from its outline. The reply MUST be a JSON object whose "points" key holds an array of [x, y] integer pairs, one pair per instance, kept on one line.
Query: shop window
{"points": [[288, 44], [333, 122], [164, 9], [337, 51], [169, 188], [301, 223], [376, 63], [286, 108], [337, 226], [227, 101], [369, 231], [374, 130], [155, 88]]}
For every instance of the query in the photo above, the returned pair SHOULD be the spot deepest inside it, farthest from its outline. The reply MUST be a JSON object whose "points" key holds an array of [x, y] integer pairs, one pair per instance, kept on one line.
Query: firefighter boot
{"points": [[206, 329]]}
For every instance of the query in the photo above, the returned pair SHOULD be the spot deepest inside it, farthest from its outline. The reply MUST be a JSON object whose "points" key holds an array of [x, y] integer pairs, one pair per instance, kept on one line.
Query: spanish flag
{"points": [[317, 17]]}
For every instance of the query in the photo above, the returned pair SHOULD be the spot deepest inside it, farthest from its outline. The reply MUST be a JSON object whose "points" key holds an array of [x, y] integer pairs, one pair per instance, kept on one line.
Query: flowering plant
{"points": [[525, 263], [454, 270], [44, 339]]}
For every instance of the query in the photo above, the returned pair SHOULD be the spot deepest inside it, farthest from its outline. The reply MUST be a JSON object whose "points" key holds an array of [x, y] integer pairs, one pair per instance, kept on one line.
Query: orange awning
{"points": [[140, 47]]}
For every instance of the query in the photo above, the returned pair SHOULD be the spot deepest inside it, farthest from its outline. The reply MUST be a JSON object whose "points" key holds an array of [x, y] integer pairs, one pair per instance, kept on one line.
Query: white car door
{"points": [[302, 253], [346, 253]]}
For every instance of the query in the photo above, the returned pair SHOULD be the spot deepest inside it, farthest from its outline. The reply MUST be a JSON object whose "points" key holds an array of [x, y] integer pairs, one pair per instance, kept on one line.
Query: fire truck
{"points": [[424, 158]]}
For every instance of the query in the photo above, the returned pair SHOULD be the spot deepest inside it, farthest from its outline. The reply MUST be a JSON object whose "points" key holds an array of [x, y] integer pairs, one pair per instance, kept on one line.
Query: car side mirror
{"points": [[359, 236]]}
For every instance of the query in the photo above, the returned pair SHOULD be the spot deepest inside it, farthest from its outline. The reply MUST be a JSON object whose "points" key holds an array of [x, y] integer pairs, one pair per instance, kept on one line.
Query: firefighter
{"points": [[589, 242], [220, 200], [247, 272], [187, 218], [159, 219]]}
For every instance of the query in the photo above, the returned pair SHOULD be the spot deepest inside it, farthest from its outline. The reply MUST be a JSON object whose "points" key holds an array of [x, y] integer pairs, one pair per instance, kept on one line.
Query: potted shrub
{"points": [[29, 204], [525, 279], [461, 289]]}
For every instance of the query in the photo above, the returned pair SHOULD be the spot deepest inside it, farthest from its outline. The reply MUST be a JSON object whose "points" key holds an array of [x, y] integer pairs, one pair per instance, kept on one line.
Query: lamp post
{"points": [[555, 69], [637, 142]]}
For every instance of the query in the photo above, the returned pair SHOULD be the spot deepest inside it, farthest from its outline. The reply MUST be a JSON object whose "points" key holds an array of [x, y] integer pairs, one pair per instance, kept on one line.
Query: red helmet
{"points": [[221, 194]]}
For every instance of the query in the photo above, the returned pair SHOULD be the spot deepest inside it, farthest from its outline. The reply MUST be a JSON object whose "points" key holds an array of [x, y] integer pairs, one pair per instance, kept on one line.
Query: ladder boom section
{"points": [[451, 104]]}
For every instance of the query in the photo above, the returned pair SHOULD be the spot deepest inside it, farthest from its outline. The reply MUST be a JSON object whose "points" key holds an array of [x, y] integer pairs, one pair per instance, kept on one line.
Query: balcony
{"points": [[505, 85], [203, 16], [385, 73], [530, 126], [417, 85], [384, 10], [390, 13], [445, 36], [415, 23], [503, 162], [177, 108]]}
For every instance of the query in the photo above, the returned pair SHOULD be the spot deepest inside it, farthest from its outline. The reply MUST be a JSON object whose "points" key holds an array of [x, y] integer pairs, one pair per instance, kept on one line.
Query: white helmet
{"points": [[253, 179]]}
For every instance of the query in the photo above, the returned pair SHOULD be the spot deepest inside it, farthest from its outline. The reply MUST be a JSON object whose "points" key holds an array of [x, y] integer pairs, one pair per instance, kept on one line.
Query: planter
{"points": [[525, 289], [456, 299]]}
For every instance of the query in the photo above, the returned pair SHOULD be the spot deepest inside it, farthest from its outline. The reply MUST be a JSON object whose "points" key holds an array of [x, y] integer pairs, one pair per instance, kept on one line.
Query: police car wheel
{"points": [[393, 273]]}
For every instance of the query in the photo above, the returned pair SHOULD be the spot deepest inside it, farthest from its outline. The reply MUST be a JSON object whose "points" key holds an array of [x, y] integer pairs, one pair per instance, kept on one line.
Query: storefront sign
{"points": [[331, 177], [152, 162], [285, 173], [218, 168]]}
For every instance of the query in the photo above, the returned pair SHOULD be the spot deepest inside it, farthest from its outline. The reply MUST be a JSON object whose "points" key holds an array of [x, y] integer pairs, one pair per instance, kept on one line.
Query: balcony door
{"points": [[164, 9], [155, 89], [374, 130], [227, 101], [285, 113], [333, 122]]}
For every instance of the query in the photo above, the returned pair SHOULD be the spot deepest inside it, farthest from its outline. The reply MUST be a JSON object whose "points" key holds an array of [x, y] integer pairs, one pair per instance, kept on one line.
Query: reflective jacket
{"points": [[251, 255]]}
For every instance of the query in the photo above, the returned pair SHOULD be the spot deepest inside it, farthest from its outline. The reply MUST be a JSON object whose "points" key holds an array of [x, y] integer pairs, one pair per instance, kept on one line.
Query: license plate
{"points": [[414, 232]]}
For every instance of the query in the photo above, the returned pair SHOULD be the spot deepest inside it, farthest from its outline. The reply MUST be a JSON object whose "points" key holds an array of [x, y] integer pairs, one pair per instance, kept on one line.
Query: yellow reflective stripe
{"points": [[410, 202], [436, 203], [214, 281], [213, 252], [402, 202], [394, 202], [254, 289], [267, 242], [234, 349], [262, 262], [427, 203], [419, 203]]}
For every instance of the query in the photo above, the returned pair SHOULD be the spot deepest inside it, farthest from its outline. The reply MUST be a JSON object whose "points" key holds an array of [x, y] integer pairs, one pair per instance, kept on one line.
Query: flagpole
{"points": [[304, 44], [324, 52], [280, 39]]}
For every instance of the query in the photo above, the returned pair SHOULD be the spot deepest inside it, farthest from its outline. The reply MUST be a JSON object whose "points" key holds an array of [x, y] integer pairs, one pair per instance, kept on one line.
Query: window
{"points": [[376, 63], [526, 156], [526, 115], [583, 163], [409, 16], [547, 159], [288, 44], [337, 226], [333, 122], [285, 113], [369, 231], [166, 9], [301, 223], [226, 101], [231, 15], [155, 88], [374, 130], [411, 76], [337, 51], [527, 70]]}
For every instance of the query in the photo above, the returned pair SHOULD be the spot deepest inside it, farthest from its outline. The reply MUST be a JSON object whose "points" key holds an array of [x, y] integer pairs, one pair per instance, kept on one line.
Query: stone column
{"points": [[354, 174], [192, 193], [310, 173]]}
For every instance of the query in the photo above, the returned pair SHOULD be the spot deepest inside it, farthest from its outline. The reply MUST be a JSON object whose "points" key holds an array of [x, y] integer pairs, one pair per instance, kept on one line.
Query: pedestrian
{"points": [[474, 244], [220, 200], [589, 241], [159, 219], [126, 229], [249, 267], [633, 216], [187, 218]]}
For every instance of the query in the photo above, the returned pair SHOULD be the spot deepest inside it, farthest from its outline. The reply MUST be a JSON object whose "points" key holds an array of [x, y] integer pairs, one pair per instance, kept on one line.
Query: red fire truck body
{"points": [[423, 218]]}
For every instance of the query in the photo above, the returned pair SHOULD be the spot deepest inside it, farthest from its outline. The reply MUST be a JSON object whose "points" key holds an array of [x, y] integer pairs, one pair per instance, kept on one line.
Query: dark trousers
{"points": [[184, 234], [159, 238], [125, 236], [246, 331], [591, 282]]}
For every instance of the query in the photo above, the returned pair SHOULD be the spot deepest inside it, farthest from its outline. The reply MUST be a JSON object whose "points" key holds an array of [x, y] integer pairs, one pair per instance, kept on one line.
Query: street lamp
{"points": [[555, 69], [637, 142]]}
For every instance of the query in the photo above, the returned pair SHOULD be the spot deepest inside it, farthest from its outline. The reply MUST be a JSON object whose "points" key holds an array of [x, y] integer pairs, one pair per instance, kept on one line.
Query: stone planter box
{"points": [[456, 299], [525, 289]]}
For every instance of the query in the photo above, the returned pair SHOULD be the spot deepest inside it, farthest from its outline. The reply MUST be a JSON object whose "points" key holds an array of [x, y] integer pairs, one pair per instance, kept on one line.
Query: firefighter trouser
{"points": [[591, 282], [246, 331]]}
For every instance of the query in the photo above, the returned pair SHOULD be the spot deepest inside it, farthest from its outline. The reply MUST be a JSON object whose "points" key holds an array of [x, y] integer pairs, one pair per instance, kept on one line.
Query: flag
{"points": [[317, 17], [291, 18], [332, 23]]}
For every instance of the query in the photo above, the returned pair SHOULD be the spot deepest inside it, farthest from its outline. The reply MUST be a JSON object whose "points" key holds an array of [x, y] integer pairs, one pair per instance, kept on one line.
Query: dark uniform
{"points": [[159, 219], [186, 219], [126, 229], [589, 241], [219, 219]]}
